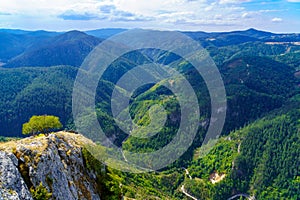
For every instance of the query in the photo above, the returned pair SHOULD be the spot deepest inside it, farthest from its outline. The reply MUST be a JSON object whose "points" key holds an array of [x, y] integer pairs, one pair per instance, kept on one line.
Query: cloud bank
{"points": [[168, 14]]}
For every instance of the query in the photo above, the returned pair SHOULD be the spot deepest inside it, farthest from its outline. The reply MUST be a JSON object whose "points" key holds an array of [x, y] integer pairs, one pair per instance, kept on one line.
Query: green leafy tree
{"points": [[41, 124]]}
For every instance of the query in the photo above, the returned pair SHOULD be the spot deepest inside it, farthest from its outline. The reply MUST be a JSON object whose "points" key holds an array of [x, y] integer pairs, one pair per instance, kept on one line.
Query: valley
{"points": [[256, 157]]}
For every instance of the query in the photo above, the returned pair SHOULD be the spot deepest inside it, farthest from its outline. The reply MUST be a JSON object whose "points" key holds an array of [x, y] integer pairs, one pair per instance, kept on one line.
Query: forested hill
{"points": [[16, 42], [256, 73], [67, 49], [42, 48], [259, 148]]}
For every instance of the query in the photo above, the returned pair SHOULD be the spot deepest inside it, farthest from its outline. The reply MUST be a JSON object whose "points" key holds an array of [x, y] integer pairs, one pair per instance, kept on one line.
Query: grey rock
{"points": [[12, 185], [56, 161]]}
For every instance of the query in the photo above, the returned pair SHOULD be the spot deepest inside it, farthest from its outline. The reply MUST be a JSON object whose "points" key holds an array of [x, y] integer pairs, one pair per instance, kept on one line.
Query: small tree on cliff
{"points": [[41, 124]]}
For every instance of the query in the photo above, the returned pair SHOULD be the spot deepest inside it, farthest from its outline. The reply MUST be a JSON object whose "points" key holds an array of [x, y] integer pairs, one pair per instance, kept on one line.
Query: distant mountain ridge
{"points": [[20, 48], [239, 37], [13, 43], [105, 33], [67, 49]]}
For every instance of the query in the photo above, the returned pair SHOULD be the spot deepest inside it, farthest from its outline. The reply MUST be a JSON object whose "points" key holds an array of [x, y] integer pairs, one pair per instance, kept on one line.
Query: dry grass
{"points": [[32, 148], [40, 143]]}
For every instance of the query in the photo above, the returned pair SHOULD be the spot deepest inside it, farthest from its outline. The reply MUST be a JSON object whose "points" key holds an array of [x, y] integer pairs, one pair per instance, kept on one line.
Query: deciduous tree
{"points": [[41, 124]]}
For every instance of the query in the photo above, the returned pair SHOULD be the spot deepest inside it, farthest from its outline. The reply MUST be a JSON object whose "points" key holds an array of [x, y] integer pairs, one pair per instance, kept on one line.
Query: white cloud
{"points": [[271, 11], [277, 19], [142, 8], [294, 1], [167, 14], [233, 1], [246, 15]]}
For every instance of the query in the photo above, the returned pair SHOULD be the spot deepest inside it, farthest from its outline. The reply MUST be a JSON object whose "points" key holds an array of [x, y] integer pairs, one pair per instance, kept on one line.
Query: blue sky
{"points": [[195, 15]]}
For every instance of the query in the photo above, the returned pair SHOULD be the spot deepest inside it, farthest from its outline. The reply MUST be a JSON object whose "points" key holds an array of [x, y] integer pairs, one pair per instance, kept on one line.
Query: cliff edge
{"points": [[53, 165]]}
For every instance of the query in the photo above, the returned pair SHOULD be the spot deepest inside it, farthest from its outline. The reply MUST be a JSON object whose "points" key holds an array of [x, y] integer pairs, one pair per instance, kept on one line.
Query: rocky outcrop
{"points": [[55, 161], [12, 185]]}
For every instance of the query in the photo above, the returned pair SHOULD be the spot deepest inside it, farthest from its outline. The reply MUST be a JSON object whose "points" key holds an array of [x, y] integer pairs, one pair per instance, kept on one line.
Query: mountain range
{"points": [[257, 154], [42, 48]]}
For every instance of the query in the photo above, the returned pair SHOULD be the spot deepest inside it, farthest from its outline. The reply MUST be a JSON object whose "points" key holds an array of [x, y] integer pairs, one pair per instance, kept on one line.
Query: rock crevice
{"points": [[55, 161]]}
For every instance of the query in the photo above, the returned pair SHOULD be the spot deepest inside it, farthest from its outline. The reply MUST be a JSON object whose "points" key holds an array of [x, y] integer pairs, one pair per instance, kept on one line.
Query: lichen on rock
{"points": [[55, 161]]}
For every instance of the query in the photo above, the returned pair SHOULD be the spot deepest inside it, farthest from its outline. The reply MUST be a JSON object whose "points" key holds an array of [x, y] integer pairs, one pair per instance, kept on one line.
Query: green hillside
{"points": [[257, 154]]}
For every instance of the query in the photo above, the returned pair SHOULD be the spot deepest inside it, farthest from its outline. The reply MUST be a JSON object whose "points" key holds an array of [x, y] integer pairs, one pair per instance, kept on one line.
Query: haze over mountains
{"points": [[18, 45], [42, 48]]}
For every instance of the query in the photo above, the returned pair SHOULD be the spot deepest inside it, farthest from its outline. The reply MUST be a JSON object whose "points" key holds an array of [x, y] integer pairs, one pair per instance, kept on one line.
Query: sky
{"points": [[280, 16]]}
